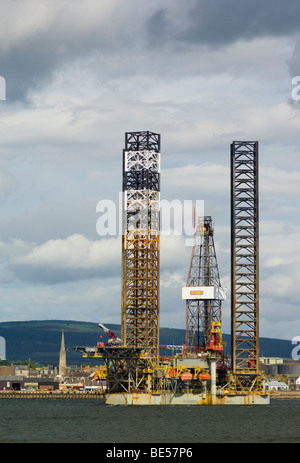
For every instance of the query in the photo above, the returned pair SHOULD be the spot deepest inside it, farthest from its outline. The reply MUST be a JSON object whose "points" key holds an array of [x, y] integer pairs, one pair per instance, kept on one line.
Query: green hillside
{"points": [[40, 340]]}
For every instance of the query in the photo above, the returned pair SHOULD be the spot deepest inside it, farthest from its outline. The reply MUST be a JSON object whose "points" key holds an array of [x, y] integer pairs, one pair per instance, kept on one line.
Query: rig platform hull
{"points": [[186, 398]]}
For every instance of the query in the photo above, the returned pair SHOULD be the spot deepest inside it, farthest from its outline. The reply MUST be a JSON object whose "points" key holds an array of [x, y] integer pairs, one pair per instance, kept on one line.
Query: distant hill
{"points": [[40, 340]]}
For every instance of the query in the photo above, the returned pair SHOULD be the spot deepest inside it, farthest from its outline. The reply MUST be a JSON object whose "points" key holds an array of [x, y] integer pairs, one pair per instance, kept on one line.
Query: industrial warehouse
{"points": [[200, 373]]}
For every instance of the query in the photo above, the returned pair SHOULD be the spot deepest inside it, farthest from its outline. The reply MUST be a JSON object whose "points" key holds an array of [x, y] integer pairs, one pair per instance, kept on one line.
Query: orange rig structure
{"points": [[200, 373]]}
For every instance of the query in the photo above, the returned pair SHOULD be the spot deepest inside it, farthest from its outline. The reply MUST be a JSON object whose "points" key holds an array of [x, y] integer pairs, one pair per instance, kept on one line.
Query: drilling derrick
{"points": [[244, 267], [141, 241], [203, 292]]}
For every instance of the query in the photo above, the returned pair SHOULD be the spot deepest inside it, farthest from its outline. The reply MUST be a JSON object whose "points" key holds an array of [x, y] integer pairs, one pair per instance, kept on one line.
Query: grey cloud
{"points": [[29, 66], [159, 29], [24, 70], [55, 35], [114, 41], [218, 22], [294, 62]]}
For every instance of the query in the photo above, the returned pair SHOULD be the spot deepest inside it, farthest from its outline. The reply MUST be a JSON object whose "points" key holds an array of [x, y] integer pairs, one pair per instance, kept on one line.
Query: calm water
{"points": [[89, 421]]}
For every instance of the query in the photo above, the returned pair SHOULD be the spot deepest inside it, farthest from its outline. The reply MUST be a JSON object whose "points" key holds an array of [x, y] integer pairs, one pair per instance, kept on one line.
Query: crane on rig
{"points": [[114, 340]]}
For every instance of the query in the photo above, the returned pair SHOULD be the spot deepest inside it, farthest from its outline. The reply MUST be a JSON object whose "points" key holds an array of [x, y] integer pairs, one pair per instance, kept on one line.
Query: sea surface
{"points": [[90, 421]]}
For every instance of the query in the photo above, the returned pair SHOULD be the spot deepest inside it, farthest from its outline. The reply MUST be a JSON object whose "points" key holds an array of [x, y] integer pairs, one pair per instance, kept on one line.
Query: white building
{"points": [[274, 385]]}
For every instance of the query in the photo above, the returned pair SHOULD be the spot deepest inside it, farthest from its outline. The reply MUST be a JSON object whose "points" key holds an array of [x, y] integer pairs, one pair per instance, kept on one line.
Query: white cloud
{"points": [[55, 261], [74, 252]]}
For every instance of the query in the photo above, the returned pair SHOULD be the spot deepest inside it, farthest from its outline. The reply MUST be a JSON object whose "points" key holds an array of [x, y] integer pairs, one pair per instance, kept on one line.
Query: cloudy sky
{"points": [[202, 73]]}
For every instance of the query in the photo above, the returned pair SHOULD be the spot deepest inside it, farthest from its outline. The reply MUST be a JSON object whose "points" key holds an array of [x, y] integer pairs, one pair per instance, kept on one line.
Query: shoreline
{"points": [[50, 395], [285, 395]]}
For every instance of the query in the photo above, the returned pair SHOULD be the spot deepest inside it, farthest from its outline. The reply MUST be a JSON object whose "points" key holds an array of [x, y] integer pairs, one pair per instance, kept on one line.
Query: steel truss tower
{"points": [[203, 292], [141, 241], [244, 264]]}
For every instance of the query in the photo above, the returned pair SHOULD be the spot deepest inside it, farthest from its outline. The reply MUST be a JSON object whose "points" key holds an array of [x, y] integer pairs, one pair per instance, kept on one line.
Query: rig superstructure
{"points": [[201, 373]]}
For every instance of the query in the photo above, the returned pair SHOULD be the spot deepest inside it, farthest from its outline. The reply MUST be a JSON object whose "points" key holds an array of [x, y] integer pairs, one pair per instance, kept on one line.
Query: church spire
{"points": [[62, 357]]}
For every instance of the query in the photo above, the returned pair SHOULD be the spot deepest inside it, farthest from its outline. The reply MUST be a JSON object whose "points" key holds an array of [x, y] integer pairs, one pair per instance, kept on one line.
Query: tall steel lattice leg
{"points": [[141, 241], [245, 264]]}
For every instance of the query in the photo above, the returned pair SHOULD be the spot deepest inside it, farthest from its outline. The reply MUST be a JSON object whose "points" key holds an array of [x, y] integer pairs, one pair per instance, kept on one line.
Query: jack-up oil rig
{"points": [[201, 373]]}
